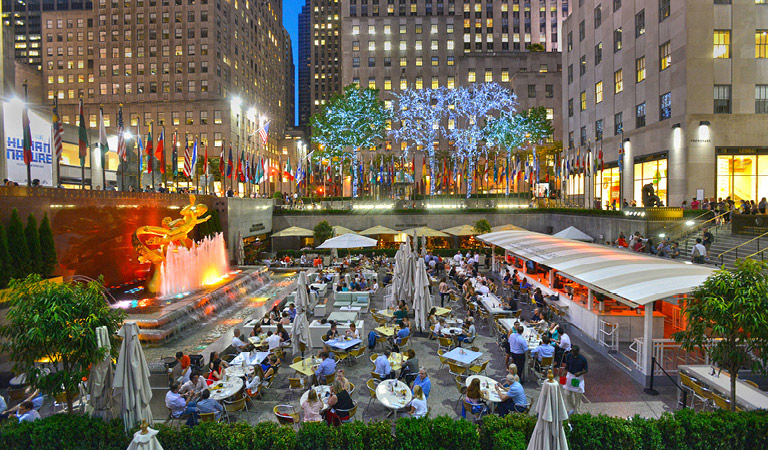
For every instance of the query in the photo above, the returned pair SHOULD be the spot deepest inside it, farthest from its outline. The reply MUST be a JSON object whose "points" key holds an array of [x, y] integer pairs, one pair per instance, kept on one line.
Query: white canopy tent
{"points": [[575, 234], [349, 240]]}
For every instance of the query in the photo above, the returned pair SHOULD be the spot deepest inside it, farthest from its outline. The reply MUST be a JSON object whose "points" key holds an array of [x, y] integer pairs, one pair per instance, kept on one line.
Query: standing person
{"points": [[698, 252], [707, 239], [576, 367], [518, 346], [444, 291]]}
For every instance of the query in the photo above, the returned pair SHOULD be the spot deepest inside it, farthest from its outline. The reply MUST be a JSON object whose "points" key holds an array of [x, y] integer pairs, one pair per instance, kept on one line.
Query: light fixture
{"points": [[237, 102], [662, 235], [677, 125], [704, 123], [626, 140], [690, 223]]}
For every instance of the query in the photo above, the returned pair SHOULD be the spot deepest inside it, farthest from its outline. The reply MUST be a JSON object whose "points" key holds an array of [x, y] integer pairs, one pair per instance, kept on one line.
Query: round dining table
{"points": [[393, 394], [224, 389], [488, 390], [323, 393], [238, 371]]}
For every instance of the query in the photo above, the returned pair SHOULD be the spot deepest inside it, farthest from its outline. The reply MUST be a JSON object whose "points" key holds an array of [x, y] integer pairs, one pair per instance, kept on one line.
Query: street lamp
{"points": [[237, 102]]}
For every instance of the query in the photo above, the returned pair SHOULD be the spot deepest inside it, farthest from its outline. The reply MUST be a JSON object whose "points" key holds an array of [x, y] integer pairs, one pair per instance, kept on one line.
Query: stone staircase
{"points": [[726, 242]]}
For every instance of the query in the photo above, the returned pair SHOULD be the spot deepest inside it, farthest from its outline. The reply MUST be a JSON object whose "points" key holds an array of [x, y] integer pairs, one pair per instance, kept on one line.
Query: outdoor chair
{"points": [[544, 366], [477, 369], [329, 379], [207, 417], [455, 369], [461, 387], [443, 361], [356, 354], [286, 414], [723, 403], [444, 343], [351, 412], [235, 406], [698, 392], [469, 411], [371, 385], [375, 376], [296, 385], [373, 357]]}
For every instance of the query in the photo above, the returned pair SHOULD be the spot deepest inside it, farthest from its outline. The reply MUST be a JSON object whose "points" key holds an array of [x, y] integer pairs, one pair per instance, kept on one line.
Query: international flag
{"points": [[140, 146], [82, 137], [27, 140], [230, 164], [175, 157], [287, 169], [149, 149], [58, 130], [602, 163], [187, 159], [160, 150], [103, 144], [205, 161], [221, 162], [121, 152], [239, 173], [194, 158], [264, 133]]}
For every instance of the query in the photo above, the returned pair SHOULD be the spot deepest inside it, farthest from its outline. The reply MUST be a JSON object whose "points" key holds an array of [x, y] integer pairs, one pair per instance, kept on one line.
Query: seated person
{"points": [[418, 404], [339, 403], [274, 314], [256, 331], [513, 400], [333, 333], [180, 405], [26, 412], [181, 371], [538, 298], [216, 373], [312, 407], [537, 318], [208, 405], [352, 332], [410, 367], [237, 343], [270, 367], [343, 379], [402, 333], [544, 350], [468, 331], [423, 381], [285, 318], [509, 304], [440, 325], [401, 312], [285, 338], [254, 380], [382, 366], [273, 340], [325, 368], [475, 398], [196, 384], [266, 320]]}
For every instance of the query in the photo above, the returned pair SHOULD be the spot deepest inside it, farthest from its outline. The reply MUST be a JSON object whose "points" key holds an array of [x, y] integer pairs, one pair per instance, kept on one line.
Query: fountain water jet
{"points": [[187, 269]]}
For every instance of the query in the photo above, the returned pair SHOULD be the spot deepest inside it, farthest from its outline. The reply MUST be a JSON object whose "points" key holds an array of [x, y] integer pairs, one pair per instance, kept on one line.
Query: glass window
{"points": [[665, 106], [598, 16], [722, 99], [663, 10], [583, 101], [618, 124], [761, 99], [761, 44], [741, 176], [654, 173], [599, 130], [607, 184], [640, 115], [665, 56], [598, 92], [640, 23], [618, 81], [722, 44], [531, 91], [640, 68], [582, 65], [598, 53], [616, 40]]}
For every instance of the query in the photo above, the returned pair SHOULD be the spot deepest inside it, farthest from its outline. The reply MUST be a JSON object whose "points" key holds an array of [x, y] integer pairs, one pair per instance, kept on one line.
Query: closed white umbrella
{"points": [[100, 379], [549, 433], [349, 240], [300, 330], [422, 299], [132, 376]]}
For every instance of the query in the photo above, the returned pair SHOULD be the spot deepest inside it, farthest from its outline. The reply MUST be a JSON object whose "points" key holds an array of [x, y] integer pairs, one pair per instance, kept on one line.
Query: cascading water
{"points": [[185, 270]]}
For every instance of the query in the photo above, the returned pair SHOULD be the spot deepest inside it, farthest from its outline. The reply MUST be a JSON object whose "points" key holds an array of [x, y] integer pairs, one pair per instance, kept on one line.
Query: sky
{"points": [[291, 10]]}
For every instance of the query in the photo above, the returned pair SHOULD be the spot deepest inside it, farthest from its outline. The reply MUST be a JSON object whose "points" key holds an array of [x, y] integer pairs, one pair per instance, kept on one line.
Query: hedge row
{"points": [[571, 211], [683, 430]]}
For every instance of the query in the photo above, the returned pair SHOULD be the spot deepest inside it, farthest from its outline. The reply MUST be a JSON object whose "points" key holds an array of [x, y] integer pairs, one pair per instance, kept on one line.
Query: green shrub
{"points": [[18, 247], [493, 424], [5, 259], [509, 439], [413, 434], [33, 241], [313, 436], [47, 247], [453, 434]]}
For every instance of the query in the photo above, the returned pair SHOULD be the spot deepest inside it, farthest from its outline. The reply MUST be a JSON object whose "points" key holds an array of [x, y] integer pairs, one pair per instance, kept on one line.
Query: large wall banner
{"points": [[42, 159]]}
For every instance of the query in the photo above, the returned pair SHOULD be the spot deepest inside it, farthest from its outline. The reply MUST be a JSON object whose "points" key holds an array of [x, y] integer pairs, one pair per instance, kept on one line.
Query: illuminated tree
{"points": [[507, 132], [419, 113], [352, 121], [470, 108]]}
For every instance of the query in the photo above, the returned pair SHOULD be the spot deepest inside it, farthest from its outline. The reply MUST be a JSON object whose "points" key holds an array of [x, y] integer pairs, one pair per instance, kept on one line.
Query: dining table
{"points": [[747, 396], [224, 389], [386, 330], [323, 393], [238, 371], [393, 394], [462, 356], [440, 311], [396, 360], [258, 341], [251, 359], [343, 343], [306, 366], [488, 390]]}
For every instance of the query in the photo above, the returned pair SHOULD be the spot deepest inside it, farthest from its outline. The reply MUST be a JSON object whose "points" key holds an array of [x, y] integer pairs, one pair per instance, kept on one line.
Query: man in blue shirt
{"points": [[545, 350], [208, 405], [327, 367], [403, 332], [518, 346], [423, 381], [382, 366], [513, 400], [27, 413]]}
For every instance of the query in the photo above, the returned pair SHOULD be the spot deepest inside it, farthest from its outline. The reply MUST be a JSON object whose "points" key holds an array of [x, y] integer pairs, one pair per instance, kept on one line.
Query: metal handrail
{"points": [[757, 238], [695, 227]]}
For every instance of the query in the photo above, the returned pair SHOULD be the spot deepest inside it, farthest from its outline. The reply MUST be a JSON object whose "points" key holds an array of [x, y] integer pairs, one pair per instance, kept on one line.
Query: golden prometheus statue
{"points": [[152, 242]]}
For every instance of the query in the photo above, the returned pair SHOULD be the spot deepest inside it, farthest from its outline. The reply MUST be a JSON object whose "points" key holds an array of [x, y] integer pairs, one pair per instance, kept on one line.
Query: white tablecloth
{"points": [[225, 389], [393, 400], [462, 355]]}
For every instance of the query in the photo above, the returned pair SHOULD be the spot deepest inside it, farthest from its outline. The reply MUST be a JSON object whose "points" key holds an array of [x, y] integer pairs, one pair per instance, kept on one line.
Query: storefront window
{"points": [[655, 173], [607, 186], [742, 177]]}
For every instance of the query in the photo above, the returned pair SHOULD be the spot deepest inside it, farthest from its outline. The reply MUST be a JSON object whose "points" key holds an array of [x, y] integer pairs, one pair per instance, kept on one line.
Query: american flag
{"points": [[263, 132], [120, 135], [187, 159], [57, 130]]}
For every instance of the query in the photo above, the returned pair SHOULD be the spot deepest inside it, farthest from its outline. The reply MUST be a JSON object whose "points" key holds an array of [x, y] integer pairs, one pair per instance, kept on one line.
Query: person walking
{"points": [[575, 367], [698, 252], [518, 346]]}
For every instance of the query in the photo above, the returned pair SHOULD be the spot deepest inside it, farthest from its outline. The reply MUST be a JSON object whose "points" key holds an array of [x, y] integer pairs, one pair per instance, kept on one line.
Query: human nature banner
{"points": [[42, 158]]}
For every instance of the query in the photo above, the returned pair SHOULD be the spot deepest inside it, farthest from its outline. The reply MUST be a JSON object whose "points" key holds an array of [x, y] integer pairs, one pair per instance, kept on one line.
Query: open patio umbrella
{"points": [[461, 230], [132, 376], [100, 380], [424, 232], [549, 433], [422, 298], [508, 227], [294, 232], [575, 234], [378, 229], [349, 240], [338, 230], [300, 330]]}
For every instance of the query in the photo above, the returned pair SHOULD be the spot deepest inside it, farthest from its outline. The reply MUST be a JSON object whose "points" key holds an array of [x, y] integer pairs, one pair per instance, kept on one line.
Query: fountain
{"points": [[186, 269]]}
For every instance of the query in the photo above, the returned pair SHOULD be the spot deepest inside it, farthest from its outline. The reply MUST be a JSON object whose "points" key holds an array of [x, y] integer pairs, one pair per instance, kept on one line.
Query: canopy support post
{"points": [[590, 299], [648, 340]]}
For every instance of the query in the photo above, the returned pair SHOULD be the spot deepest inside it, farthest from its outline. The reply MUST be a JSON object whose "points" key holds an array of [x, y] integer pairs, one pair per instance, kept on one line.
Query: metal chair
{"points": [[443, 360], [296, 385], [457, 370], [373, 357], [356, 354], [207, 417], [723, 403], [286, 414], [700, 393], [235, 406], [371, 385], [329, 379], [350, 412], [444, 343], [461, 387], [469, 410], [477, 369], [544, 366], [375, 376]]}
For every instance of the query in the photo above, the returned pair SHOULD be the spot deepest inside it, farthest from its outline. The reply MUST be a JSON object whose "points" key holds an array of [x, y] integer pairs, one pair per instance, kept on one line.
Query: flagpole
{"points": [[120, 158], [55, 150], [28, 143], [102, 155], [197, 170], [138, 155], [174, 151], [165, 179]]}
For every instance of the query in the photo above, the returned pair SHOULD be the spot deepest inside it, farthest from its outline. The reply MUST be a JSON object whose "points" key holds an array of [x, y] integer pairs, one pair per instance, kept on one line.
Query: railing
{"points": [[669, 356], [736, 249], [689, 230], [608, 335]]}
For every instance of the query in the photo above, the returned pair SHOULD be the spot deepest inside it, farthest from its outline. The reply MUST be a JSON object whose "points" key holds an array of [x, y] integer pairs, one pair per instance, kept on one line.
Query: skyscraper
{"points": [[305, 66]]}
